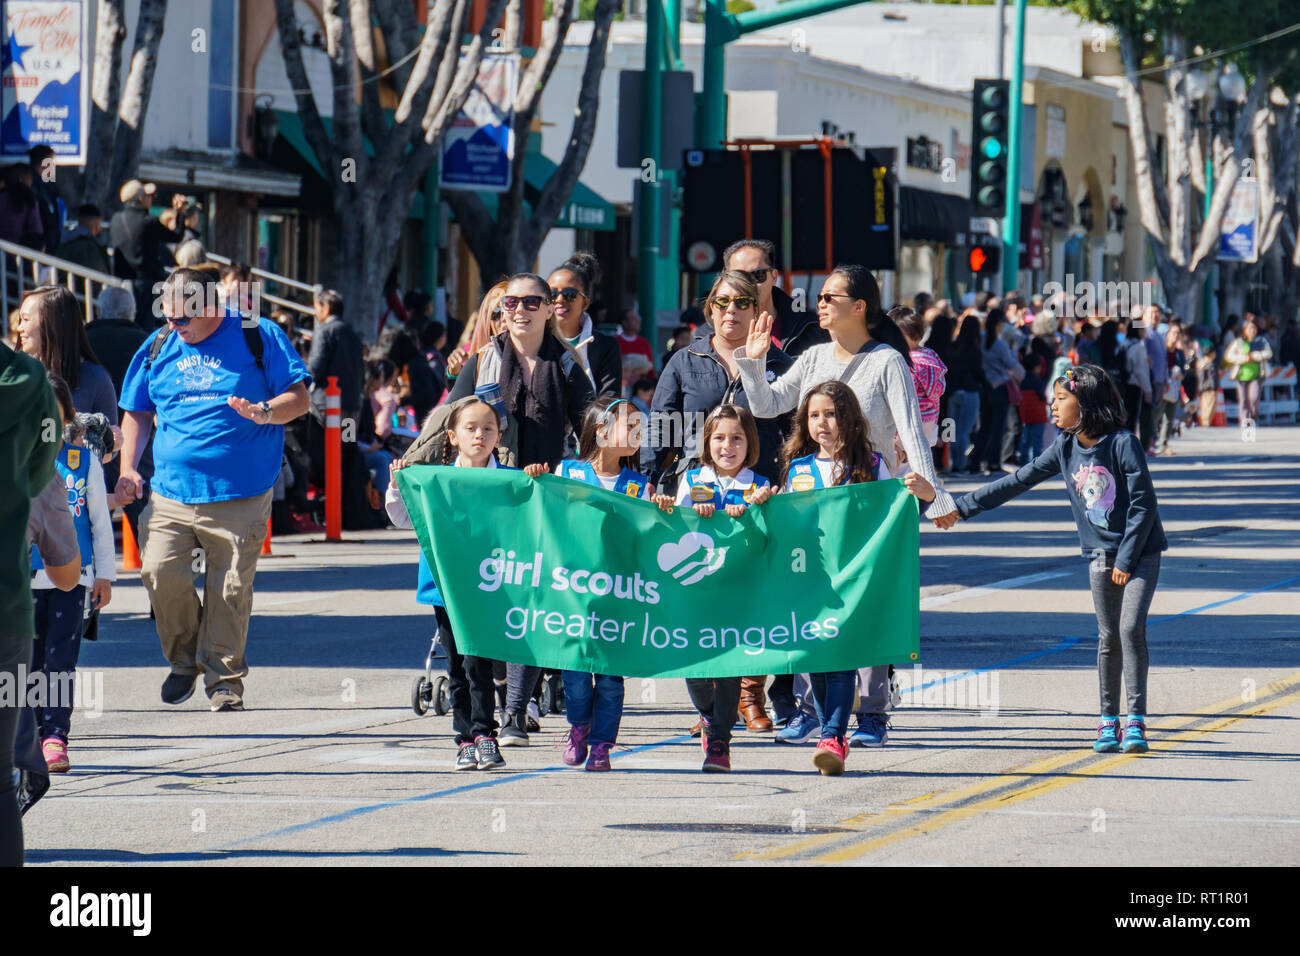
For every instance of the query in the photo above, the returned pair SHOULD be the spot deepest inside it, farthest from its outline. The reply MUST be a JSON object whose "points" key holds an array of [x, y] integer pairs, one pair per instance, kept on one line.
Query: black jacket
{"points": [[606, 364], [798, 331], [115, 342], [139, 244], [336, 350], [694, 383]]}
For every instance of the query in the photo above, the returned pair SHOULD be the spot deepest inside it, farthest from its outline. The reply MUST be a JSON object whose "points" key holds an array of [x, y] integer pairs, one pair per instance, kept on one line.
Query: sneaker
{"points": [[225, 700], [1135, 735], [802, 727], [55, 752], [575, 751], [779, 720], [831, 754], [467, 756], [489, 755], [599, 759], [1107, 736], [895, 693], [717, 757], [531, 721], [178, 688], [873, 731], [513, 732]]}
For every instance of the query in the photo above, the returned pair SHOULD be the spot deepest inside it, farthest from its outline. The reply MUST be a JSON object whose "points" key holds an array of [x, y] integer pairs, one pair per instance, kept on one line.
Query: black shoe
{"points": [[467, 756], [178, 688], [489, 756], [514, 732]]}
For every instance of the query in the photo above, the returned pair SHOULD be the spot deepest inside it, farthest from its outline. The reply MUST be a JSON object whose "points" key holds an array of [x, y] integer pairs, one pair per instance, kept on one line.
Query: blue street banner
{"points": [[45, 77], [1239, 234], [568, 576], [480, 144]]}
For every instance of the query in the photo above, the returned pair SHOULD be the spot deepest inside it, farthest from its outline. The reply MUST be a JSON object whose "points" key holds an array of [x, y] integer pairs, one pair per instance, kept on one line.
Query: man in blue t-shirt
{"points": [[220, 409]]}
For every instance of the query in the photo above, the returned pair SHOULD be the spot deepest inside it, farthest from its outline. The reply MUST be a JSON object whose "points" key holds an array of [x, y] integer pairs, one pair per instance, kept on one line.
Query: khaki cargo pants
{"points": [[222, 541]]}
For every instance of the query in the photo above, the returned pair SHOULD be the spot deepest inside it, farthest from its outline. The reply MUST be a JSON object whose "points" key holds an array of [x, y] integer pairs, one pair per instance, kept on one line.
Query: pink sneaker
{"points": [[831, 754], [575, 752], [599, 759], [55, 752], [717, 757]]}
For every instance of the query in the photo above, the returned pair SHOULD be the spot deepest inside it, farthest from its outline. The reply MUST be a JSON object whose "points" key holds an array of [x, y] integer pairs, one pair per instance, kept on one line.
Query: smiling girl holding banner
{"points": [[608, 445]]}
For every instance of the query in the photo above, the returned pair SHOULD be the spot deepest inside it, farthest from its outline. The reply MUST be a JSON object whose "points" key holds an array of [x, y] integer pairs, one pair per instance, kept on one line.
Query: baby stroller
{"points": [[428, 691]]}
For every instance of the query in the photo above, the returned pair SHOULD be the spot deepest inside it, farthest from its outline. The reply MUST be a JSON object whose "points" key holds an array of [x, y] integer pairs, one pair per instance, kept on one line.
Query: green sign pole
{"points": [[648, 238], [1207, 291], [1011, 225]]}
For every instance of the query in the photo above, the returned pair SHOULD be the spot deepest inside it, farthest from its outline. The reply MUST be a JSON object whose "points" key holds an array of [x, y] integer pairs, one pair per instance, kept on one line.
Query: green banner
{"points": [[564, 575]]}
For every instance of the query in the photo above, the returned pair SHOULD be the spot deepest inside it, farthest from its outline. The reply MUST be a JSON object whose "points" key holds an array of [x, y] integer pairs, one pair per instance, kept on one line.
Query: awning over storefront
{"points": [[585, 209], [929, 216]]}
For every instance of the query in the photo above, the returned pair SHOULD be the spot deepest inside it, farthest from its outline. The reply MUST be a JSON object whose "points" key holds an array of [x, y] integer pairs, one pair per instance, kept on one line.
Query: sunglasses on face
{"points": [[826, 298], [760, 275], [530, 303], [568, 295], [179, 321], [742, 302]]}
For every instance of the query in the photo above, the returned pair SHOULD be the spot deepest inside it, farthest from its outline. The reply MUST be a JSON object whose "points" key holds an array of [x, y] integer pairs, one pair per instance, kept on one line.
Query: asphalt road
{"points": [[989, 760]]}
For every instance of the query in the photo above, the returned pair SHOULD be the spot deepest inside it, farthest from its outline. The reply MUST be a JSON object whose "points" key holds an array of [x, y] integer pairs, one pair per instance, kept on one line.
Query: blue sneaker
{"points": [[1107, 736], [1135, 735], [802, 728], [873, 731]]}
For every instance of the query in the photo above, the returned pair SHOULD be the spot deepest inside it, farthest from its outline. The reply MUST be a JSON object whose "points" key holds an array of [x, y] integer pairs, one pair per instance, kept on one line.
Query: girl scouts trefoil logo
{"points": [[691, 558]]}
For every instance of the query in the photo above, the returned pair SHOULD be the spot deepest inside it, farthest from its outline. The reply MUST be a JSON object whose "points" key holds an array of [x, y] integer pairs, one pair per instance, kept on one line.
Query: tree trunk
{"points": [[1234, 285], [106, 90], [135, 95]]}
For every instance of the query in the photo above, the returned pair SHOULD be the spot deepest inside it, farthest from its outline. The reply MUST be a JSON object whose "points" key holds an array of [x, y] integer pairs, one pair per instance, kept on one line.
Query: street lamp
{"points": [[1232, 85]]}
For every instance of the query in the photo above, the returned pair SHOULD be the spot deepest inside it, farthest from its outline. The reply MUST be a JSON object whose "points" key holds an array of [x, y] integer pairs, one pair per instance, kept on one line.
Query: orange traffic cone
{"points": [[1220, 417], [266, 542], [130, 552]]}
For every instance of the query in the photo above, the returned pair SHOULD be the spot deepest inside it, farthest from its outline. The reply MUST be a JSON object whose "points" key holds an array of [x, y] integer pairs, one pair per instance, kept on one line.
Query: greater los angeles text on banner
{"points": [[564, 575]]}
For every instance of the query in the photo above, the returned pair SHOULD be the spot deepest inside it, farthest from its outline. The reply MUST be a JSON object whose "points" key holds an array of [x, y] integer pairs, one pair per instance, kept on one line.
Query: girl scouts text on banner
{"points": [[564, 575]]}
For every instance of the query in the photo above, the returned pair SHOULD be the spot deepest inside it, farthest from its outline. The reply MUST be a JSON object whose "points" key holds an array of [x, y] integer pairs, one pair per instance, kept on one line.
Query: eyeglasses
{"points": [[760, 275], [825, 298], [179, 321], [568, 295], [531, 303], [742, 302]]}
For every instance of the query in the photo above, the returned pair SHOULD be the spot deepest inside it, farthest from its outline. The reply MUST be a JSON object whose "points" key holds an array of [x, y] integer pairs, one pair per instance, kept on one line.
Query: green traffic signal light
{"points": [[991, 147], [992, 98], [991, 196]]}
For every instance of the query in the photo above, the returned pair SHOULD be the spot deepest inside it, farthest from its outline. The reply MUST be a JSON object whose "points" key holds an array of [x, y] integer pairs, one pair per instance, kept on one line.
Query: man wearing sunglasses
{"points": [[220, 408], [794, 331]]}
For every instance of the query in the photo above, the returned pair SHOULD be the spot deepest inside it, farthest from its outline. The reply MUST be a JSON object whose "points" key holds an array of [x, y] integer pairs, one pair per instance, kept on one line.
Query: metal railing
{"points": [[22, 269], [281, 282]]}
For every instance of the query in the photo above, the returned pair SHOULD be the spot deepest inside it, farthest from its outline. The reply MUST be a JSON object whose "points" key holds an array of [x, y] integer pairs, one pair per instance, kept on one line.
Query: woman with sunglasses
{"points": [[571, 286], [868, 353], [698, 379], [544, 389], [484, 324]]}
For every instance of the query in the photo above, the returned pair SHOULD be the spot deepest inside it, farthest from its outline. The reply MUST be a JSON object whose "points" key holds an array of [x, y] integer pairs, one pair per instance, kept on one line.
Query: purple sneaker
{"points": [[717, 757], [599, 759], [575, 752]]}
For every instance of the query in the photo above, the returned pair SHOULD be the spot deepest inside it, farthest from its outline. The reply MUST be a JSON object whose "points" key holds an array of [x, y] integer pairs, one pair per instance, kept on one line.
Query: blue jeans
{"points": [[594, 699], [964, 407], [378, 461], [833, 697], [1031, 443], [59, 622]]}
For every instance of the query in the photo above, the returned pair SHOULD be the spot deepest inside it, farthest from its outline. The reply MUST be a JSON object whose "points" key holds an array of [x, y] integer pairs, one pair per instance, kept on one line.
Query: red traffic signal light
{"points": [[984, 260], [977, 259]]}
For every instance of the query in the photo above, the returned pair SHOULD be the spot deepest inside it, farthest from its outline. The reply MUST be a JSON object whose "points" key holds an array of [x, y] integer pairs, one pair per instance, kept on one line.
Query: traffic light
{"points": [[984, 260], [990, 115]]}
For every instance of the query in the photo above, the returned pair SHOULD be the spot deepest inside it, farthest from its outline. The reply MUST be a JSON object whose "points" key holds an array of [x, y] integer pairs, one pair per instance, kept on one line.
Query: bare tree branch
{"points": [[372, 113], [105, 96], [1273, 201], [463, 79], [557, 189], [1145, 170], [514, 31], [540, 68], [313, 127], [341, 50], [401, 35], [139, 86]]}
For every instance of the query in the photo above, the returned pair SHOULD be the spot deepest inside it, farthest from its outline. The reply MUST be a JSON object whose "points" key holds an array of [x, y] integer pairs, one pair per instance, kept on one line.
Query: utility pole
{"points": [[1011, 225], [1002, 37], [648, 238]]}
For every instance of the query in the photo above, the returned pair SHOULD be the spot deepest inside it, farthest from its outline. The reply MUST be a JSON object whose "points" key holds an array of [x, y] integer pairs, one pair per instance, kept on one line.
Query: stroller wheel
{"points": [[441, 696], [421, 694]]}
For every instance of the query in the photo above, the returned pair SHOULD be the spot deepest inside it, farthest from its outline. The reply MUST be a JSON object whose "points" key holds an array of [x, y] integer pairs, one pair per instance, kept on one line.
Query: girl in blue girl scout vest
{"points": [[473, 431], [830, 447], [728, 450], [608, 446], [60, 615]]}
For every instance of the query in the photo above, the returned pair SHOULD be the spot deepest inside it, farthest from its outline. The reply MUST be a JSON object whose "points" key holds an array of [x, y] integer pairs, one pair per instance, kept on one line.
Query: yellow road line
{"points": [[1038, 788], [937, 799]]}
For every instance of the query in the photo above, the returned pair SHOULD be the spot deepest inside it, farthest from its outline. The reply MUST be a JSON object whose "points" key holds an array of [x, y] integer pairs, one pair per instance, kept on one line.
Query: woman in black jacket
{"points": [[542, 384], [964, 381], [571, 286]]}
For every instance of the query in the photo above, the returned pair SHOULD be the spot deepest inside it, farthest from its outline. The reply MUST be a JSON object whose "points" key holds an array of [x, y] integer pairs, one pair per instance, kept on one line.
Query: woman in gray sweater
{"points": [[869, 354]]}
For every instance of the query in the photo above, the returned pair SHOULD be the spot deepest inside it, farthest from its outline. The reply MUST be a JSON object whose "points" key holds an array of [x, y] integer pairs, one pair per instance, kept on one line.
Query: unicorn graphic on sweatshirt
{"points": [[1096, 486]]}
